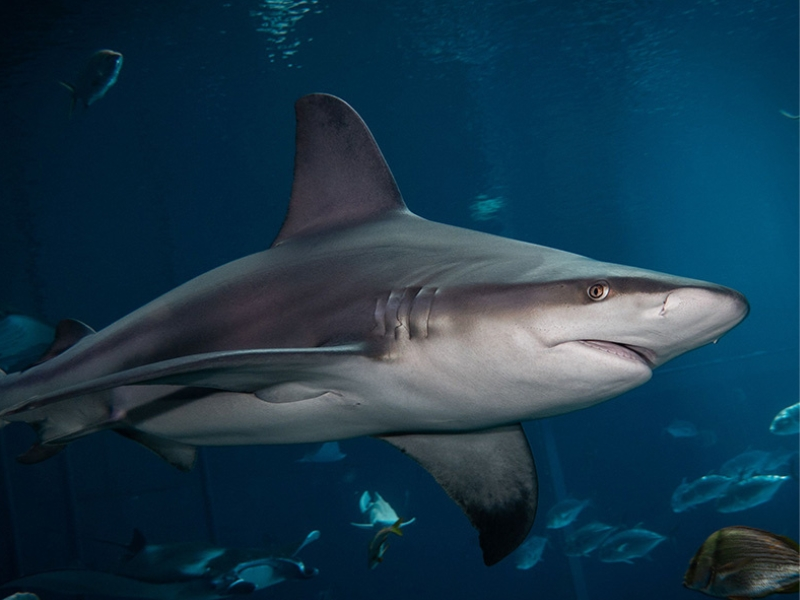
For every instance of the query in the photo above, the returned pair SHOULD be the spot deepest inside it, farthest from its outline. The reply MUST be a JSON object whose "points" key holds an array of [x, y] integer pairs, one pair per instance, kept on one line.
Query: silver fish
{"points": [[95, 79], [700, 491], [745, 465], [586, 539], [680, 429], [786, 422], [750, 492], [327, 452], [565, 512], [629, 544], [530, 552]]}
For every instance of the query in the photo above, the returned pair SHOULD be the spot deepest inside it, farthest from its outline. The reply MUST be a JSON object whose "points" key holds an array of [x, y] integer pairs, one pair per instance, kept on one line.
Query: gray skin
{"points": [[365, 319]]}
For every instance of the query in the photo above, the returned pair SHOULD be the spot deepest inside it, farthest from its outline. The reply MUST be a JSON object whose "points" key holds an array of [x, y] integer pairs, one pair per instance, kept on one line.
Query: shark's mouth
{"points": [[626, 351]]}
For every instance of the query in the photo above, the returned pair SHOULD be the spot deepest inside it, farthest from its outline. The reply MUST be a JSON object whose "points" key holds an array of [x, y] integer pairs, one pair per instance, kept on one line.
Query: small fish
{"points": [[328, 452], [565, 512], [750, 492], [586, 539], [23, 341], [380, 543], [700, 491], [629, 544], [378, 511], [743, 562], [181, 570], [786, 422], [95, 79], [681, 429], [530, 552], [745, 465]]}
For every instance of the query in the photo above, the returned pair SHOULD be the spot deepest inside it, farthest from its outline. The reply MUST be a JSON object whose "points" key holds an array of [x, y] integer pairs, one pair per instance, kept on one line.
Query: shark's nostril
{"points": [[671, 302]]}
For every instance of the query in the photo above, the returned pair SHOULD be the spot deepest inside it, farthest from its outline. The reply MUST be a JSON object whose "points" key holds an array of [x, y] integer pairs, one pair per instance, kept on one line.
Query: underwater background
{"points": [[637, 132]]}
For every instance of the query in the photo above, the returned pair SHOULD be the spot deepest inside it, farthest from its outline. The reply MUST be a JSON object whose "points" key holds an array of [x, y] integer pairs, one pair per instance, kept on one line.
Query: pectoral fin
{"points": [[236, 371], [489, 474]]}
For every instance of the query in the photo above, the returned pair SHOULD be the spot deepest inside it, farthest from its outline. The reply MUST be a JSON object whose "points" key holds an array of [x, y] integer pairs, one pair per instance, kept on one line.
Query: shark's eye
{"points": [[598, 290]]}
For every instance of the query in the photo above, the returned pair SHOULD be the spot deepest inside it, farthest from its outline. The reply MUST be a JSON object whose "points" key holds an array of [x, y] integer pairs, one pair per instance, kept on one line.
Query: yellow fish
{"points": [[380, 543]]}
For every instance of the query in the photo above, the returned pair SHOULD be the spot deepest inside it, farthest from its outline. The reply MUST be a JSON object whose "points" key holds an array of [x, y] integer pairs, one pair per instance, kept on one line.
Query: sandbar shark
{"points": [[364, 319]]}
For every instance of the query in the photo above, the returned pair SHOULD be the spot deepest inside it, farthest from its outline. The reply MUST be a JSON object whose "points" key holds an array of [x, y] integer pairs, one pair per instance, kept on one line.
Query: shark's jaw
{"points": [[637, 354], [567, 352]]}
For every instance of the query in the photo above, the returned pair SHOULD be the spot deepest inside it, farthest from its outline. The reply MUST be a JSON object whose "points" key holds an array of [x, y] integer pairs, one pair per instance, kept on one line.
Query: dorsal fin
{"points": [[136, 545], [68, 333], [340, 175]]}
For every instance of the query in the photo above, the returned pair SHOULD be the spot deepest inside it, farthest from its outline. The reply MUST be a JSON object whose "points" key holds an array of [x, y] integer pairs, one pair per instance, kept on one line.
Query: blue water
{"points": [[643, 133]]}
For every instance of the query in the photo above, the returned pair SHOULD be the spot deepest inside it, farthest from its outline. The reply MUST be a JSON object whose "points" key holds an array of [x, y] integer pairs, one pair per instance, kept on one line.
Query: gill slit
{"points": [[404, 313]]}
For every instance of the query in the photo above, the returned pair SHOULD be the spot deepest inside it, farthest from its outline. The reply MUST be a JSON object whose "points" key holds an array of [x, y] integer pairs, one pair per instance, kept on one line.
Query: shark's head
{"points": [[590, 337]]}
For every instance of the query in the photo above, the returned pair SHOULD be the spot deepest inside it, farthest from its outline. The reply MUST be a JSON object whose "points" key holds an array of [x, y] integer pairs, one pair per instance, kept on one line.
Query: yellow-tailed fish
{"points": [[380, 543]]}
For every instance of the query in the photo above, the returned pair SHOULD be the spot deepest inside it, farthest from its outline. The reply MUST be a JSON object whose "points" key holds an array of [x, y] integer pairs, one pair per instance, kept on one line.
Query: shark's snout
{"points": [[694, 316], [716, 309]]}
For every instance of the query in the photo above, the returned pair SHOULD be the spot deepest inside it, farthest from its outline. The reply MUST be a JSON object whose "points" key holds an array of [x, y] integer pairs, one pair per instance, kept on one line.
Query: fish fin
{"points": [[790, 588], [68, 333], [785, 540], [73, 98], [340, 175], [362, 525], [409, 522], [246, 371], [39, 452], [364, 501], [489, 474], [179, 455], [240, 587], [136, 545], [311, 537], [395, 527]]}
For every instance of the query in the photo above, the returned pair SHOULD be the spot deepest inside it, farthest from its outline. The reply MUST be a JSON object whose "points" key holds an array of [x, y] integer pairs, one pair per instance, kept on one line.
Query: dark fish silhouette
{"points": [[744, 562], [23, 340], [95, 79], [190, 570]]}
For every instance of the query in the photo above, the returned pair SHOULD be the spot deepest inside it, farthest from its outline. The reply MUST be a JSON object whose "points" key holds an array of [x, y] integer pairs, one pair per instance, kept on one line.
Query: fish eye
{"points": [[598, 290]]}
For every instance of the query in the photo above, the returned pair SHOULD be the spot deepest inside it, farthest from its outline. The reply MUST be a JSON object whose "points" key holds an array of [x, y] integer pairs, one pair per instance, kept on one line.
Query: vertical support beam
{"points": [[578, 580], [9, 519], [208, 496]]}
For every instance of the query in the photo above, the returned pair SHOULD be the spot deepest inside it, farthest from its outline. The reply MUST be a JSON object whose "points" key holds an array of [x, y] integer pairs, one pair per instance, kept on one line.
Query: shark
{"points": [[365, 319], [184, 570]]}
